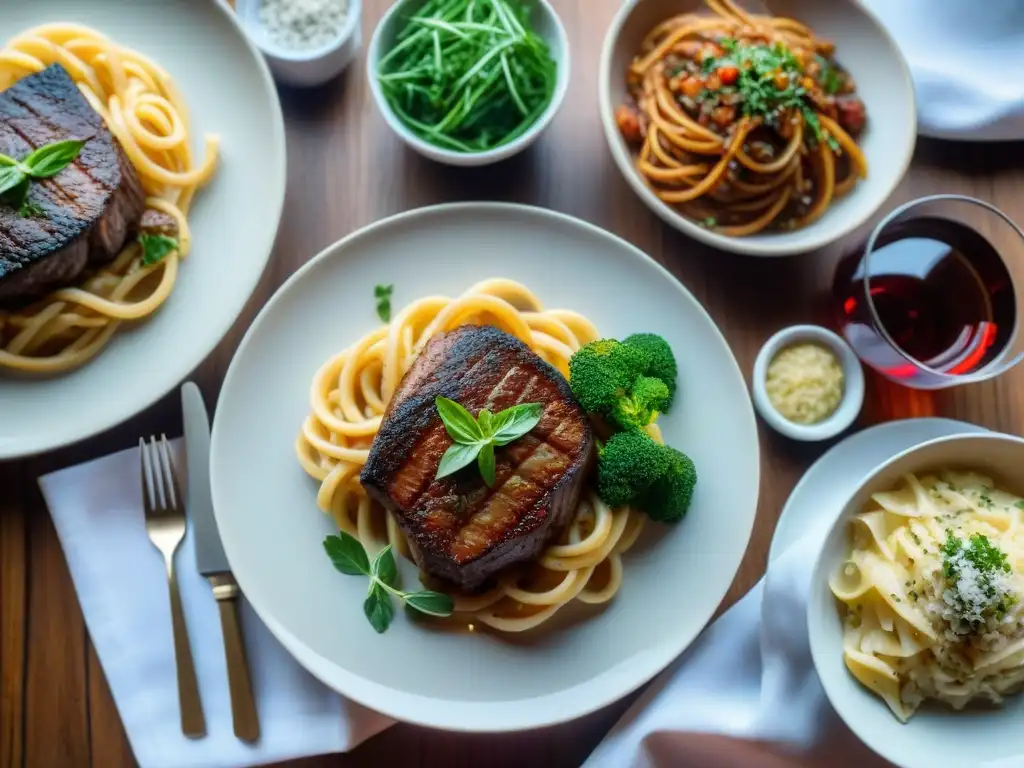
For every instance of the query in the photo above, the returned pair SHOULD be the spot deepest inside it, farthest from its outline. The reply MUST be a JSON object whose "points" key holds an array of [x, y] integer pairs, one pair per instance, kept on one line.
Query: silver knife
{"points": [[213, 563]]}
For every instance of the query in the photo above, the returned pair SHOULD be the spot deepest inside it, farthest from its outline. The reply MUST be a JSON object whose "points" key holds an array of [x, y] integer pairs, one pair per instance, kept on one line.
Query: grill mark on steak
{"points": [[89, 209], [458, 529]]}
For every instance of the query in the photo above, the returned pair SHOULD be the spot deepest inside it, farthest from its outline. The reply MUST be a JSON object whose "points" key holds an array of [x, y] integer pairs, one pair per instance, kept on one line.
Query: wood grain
{"points": [[345, 171]]}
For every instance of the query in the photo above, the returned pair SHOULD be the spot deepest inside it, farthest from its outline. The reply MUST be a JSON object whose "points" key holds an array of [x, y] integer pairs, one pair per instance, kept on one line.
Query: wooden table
{"points": [[345, 171]]}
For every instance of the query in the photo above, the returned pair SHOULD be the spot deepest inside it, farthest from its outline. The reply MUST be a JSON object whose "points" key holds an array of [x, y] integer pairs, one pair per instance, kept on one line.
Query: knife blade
{"points": [[213, 563], [210, 557]]}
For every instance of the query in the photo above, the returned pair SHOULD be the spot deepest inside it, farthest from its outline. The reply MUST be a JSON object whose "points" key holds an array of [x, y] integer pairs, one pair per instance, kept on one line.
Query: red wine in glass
{"points": [[932, 301]]}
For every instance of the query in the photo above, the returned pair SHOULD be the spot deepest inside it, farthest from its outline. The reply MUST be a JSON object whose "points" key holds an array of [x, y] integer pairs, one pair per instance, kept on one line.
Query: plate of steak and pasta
{"points": [[484, 467], [135, 219]]}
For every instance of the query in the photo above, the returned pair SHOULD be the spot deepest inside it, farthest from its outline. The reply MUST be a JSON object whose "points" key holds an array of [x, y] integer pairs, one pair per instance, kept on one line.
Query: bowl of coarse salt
{"points": [[305, 42]]}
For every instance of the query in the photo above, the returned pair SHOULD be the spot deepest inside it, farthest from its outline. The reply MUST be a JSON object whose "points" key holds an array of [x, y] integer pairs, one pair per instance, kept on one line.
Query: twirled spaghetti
{"points": [[744, 121], [349, 395], [141, 106]]}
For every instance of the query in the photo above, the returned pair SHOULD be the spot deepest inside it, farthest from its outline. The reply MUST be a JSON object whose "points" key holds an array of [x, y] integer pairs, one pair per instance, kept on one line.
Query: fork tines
{"points": [[161, 492]]}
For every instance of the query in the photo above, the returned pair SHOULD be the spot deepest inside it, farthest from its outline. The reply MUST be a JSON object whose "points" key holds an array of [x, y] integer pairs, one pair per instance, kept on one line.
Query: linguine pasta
{"points": [[931, 593], [349, 396], [141, 106]]}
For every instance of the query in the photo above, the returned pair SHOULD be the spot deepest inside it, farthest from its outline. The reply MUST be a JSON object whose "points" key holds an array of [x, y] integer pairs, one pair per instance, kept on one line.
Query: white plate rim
{"points": [[785, 534], [50, 441], [480, 716]]}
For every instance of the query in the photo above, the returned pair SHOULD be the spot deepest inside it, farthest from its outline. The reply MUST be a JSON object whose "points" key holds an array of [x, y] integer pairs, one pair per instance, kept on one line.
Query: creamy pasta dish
{"points": [[931, 592]]}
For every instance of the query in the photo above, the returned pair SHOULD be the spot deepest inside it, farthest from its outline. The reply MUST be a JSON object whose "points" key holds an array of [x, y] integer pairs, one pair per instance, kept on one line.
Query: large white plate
{"points": [[234, 220], [272, 530]]}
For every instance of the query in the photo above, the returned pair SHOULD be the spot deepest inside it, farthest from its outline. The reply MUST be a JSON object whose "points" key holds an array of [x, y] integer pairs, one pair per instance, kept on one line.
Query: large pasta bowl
{"points": [[978, 735], [863, 48]]}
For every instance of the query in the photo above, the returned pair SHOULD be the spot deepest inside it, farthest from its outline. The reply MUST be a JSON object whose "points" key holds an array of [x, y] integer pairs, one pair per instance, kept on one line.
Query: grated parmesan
{"points": [[303, 23], [804, 383]]}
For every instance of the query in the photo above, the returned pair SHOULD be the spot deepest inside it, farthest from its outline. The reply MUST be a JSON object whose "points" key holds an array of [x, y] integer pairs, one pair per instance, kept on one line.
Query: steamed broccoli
{"points": [[603, 371], [627, 465], [633, 469], [640, 406], [668, 498], [662, 363]]}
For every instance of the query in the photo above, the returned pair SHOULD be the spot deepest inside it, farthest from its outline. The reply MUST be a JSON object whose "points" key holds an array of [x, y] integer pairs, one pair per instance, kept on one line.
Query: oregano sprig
{"points": [[349, 557], [476, 438]]}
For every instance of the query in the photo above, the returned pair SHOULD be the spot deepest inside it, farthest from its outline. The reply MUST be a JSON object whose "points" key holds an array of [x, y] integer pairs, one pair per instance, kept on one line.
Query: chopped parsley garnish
{"points": [[975, 572], [155, 248], [985, 500], [710, 222], [831, 80], [382, 293], [769, 83]]}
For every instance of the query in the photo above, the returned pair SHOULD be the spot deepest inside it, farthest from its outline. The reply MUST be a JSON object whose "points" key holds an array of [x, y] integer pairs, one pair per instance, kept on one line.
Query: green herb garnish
{"points": [[468, 75], [43, 163], [349, 557], [830, 78], [382, 293], [155, 248], [762, 68], [29, 208], [974, 572], [476, 438], [1019, 503]]}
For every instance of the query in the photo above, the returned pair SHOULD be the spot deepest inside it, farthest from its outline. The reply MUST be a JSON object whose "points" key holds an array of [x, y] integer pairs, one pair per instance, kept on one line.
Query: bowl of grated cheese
{"points": [[305, 42], [808, 384]]}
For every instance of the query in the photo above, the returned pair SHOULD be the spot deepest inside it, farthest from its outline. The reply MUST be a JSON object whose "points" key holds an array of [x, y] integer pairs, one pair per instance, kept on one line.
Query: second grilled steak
{"points": [[458, 528], [88, 210]]}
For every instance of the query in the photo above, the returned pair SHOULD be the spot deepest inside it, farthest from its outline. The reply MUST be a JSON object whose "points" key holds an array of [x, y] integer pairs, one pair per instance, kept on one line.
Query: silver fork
{"points": [[165, 524]]}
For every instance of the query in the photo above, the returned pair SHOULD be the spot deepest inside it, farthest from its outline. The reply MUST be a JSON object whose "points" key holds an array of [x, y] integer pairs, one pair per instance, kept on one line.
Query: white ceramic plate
{"points": [[272, 530], [234, 220], [830, 481], [863, 46]]}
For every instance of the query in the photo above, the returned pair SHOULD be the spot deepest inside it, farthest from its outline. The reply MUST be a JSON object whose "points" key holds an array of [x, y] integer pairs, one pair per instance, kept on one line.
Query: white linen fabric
{"points": [[122, 587], [967, 60]]}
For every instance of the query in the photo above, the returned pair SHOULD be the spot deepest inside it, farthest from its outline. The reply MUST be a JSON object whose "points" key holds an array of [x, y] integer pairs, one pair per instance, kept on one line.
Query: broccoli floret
{"points": [[602, 371], [662, 363], [627, 465], [668, 498], [640, 406]]}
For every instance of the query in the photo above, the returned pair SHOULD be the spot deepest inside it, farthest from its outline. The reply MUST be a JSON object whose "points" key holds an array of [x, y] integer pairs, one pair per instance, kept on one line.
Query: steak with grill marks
{"points": [[87, 211], [459, 529]]}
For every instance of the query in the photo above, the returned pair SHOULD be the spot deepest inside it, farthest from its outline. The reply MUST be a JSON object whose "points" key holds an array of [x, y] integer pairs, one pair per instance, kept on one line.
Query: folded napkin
{"points": [[967, 60], [122, 587], [749, 676]]}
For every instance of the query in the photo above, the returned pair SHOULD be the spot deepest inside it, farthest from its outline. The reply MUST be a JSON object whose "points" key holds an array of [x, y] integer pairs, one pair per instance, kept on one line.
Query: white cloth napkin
{"points": [[750, 676], [122, 587], [967, 60]]}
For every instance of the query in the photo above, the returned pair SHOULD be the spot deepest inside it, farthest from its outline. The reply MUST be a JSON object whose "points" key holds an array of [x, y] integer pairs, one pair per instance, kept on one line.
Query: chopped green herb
{"points": [[893, 596], [710, 222], [28, 208], [382, 293], [1019, 503], [916, 538], [155, 248], [913, 595], [985, 501]]}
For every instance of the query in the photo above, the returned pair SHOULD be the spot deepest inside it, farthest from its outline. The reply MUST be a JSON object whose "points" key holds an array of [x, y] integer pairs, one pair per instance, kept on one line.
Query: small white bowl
{"points": [[935, 735], [547, 25], [301, 66], [853, 383]]}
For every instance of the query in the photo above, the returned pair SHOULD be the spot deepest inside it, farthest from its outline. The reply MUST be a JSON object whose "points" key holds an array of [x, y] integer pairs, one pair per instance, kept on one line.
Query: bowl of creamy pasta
{"points": [[916, 610]]}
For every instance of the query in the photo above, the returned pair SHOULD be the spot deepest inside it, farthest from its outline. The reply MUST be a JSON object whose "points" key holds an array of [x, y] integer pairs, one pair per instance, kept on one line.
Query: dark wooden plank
{"points": [[108, 744], [13, 615], [56, 706]]}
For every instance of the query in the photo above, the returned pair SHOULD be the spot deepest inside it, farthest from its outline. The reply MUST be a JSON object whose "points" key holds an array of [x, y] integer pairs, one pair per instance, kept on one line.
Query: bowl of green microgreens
{"points": [[469, 82]]}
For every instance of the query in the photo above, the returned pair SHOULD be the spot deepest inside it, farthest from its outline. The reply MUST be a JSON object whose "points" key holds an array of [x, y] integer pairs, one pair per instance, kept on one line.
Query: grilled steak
{"points": [[88, 209], [459, 529]]}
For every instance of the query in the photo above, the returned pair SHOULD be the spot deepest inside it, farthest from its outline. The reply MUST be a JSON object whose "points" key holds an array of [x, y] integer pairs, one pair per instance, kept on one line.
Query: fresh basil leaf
{"points": [[18, 194], [486, 462], [385, 568], [52, 159], [431, 603], [383, 295], [30, 209], [485, 419], [514, 422], [461, 426], [456, 457], [155, 248], [378, 607], [10, 177], [6, 161], [347, 554]]}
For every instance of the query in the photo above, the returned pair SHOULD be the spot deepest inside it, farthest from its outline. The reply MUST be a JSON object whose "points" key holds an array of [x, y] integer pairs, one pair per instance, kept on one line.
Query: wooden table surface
{"points": [[345, 171]]}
